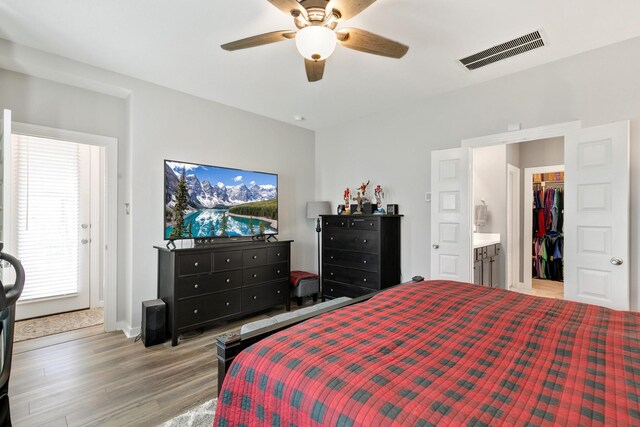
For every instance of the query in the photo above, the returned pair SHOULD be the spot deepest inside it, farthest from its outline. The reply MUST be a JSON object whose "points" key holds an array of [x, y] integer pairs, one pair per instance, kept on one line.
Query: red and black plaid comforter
{"points": [[442, 353]]}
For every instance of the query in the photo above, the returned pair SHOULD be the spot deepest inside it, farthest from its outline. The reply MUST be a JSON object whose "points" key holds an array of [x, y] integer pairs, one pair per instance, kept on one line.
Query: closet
{"points": [[548, 221]]}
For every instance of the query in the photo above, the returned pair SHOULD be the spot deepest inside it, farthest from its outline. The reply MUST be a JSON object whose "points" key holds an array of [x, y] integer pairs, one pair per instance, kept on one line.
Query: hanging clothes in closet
{"points": [[548, 241]]}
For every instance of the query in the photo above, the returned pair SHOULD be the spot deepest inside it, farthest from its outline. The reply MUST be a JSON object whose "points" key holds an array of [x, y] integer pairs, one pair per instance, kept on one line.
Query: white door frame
{"points": [[514, 137], [513, 227], [110, 224], [528, 218]]}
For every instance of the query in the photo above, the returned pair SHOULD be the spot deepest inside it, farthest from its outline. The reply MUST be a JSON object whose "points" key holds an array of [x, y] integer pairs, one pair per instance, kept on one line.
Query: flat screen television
{"points": [[203, 202]]}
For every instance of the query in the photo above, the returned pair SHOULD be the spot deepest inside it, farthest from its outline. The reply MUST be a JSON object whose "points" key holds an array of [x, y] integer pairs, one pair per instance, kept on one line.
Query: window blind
{"points": [[46, 203]]}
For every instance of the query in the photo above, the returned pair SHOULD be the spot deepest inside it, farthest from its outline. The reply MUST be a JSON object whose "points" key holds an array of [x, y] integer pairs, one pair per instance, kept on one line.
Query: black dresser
{"points": [[205, 285], [360, 254]]}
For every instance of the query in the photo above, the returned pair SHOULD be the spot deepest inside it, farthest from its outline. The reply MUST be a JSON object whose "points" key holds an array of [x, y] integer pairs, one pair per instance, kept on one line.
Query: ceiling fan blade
{"points": [[349, 8], [289, 7], [364, 41], [315, 69], [259, 40]]}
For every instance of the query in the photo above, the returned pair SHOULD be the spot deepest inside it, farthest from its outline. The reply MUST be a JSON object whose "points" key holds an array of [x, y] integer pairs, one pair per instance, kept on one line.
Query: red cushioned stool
{"points": [[304, 284]]}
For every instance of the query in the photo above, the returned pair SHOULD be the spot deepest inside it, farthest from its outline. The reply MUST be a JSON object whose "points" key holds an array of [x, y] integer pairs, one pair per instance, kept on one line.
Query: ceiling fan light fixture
{"points": [[316, 42]]}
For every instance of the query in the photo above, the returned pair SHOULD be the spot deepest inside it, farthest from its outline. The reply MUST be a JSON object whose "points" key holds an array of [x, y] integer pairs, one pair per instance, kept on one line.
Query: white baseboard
{"points": [[128, 330], [521, 286]]}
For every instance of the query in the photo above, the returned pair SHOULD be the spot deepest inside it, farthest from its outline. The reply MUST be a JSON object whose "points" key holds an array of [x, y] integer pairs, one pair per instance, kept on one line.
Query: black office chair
{"points": [[8, 297]]}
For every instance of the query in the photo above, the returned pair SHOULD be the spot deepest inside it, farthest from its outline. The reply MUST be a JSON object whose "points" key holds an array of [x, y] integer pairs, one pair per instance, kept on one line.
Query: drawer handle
{"points": [[228, 259], [331, 290], [278, 292], [255, 297], [371, 224], [332, 274], [330, 238], [365, 280], [365, 261], [278, 272], [195, 311], [195, 286], [278, 254], [228, 280], [255, 257], [365, 240], [342, 224], [255, 275], [227, 303], [331, 257], [195, 264]]}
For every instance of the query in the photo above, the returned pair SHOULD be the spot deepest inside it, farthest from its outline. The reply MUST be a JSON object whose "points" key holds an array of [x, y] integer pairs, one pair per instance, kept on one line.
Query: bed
{"points": [[442, 353]]}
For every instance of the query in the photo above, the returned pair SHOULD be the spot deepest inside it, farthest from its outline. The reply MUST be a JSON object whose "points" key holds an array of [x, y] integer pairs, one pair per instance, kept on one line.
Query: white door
{"points": [[596, 223], [450, 219], [5, 144], [49, 223]]}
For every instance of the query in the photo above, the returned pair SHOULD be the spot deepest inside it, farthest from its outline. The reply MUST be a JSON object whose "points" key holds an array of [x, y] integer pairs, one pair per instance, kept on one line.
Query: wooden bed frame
{"points": [[230, 345]]}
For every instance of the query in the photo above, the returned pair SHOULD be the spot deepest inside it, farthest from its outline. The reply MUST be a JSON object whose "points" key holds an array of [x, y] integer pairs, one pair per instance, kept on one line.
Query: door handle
{"points": [[616, 261], [84, 241], [435, 246]]}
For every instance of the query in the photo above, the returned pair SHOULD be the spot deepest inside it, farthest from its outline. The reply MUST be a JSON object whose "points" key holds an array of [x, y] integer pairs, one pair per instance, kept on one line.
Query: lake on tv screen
{"points": [[208, 223]]}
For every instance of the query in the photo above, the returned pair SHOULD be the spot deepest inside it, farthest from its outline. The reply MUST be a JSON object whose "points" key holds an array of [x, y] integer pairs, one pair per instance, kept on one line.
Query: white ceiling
{"points": [[176, 44]]}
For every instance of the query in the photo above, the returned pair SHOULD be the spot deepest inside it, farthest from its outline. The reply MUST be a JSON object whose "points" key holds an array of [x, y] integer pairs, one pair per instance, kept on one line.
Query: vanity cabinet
{"points": [[486, 265]]}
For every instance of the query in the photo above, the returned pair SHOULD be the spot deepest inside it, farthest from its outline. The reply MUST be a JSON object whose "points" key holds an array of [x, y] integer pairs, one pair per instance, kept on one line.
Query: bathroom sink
{"points": [[485, 239]]}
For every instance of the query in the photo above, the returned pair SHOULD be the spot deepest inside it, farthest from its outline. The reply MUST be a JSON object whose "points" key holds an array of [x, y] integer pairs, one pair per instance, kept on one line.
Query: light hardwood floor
{"points": [[547, 288], [543, 288], [88, 377]]}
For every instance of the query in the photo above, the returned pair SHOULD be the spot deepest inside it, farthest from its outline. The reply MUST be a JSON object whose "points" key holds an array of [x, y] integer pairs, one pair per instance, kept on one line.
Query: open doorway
{"points": [[518, 193], [596, 207], [59, 189]]}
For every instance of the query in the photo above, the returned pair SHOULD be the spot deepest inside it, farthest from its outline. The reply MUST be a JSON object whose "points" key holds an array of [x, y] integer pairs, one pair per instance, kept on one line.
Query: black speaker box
{"points": [[154, 315]]}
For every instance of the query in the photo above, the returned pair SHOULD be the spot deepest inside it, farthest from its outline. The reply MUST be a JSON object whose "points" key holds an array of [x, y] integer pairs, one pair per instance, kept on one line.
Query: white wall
{"points": [[490, 185], [393, 148], [155, 123]]}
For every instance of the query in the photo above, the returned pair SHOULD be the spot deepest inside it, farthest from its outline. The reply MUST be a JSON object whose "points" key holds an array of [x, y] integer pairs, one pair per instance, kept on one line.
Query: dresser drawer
{"points": [[364, 279], [277, 254], [205, 284], [335, 290], [361, 260], [335, 222], [227, 260], [364, 224], [353, 240], [257, 297], [203, 309], [194, 263], [251, 257], [200, 285], [265, 273]]}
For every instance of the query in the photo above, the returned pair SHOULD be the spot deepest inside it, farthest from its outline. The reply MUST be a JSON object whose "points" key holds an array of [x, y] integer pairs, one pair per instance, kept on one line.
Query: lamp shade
{"points": [[316, 42], [315, 209]]}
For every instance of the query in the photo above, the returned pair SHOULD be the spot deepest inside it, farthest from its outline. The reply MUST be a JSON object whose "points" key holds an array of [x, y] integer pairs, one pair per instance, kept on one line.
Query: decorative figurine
{"points": [[363, 191], [378, 193], [359, 200], [347, 198]]}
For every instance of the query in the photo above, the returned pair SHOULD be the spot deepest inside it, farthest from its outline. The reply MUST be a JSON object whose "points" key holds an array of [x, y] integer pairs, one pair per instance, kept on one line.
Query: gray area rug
{"points": [[57, 323], [199, 416]]}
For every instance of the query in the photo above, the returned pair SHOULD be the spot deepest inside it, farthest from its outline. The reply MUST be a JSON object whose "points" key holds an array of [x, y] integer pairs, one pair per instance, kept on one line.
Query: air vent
{"points": [[502, 51]]}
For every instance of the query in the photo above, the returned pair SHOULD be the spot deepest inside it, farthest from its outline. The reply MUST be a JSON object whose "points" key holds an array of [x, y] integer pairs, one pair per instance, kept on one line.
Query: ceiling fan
{"points": [[316, 37]]}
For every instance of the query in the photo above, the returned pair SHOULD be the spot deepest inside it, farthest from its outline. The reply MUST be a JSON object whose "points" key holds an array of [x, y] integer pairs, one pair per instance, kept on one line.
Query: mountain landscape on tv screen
{"points": [[220, 201]]}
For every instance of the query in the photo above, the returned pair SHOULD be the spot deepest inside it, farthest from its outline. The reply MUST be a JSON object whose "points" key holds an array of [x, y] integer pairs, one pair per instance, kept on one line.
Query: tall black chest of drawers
{"points": [[204, 285], [360, 254]]}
